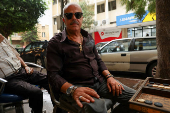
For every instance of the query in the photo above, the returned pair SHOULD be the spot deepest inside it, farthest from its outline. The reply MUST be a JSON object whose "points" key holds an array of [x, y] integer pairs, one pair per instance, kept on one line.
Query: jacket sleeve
{"points": [[100, 63], [54, 66]]}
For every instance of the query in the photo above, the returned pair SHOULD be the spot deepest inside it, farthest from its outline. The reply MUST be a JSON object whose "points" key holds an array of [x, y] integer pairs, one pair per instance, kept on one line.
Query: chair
{"points": [[9, 100], [68, 107]]}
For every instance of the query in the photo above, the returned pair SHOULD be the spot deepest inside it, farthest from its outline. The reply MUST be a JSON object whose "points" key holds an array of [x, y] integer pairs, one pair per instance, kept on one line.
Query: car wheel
{"points": [[39, 61], [152, 70]]}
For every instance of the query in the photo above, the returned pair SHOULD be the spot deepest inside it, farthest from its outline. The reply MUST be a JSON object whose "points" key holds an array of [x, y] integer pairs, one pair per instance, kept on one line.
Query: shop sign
{"points": [[107, 35], [131, 19]]}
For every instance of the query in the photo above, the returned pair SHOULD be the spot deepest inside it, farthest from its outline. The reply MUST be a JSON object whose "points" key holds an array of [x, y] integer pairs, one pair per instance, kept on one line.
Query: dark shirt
{"points": [[65, 62]]}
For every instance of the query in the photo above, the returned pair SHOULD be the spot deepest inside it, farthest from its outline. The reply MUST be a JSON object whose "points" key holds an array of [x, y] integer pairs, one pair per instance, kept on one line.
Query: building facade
{"points": [[112, 21], [43, 34]]}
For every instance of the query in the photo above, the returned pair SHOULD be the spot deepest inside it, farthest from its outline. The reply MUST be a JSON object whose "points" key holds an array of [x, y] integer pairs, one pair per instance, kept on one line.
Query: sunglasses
{"points": [[78, 15]]}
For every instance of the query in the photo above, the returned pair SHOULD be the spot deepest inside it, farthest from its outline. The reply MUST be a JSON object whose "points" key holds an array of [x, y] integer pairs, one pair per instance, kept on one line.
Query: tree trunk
{"points": [[163, 38]]}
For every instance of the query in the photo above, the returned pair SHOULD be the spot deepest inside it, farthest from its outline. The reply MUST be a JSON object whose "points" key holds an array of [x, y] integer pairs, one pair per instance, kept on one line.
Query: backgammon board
{"points": [[153, 96]]}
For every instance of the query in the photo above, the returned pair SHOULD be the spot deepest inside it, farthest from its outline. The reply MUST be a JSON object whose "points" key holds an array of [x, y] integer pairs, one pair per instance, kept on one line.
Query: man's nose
{"points": [[74, 17]]}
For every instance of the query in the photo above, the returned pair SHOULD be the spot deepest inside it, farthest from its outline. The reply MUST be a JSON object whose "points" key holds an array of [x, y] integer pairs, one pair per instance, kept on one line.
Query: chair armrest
{"points": [[34, 65], [53, 97], [2, 85]]}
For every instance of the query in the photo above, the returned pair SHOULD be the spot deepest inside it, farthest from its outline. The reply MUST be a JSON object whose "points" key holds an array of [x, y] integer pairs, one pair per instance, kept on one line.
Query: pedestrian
{"points": [[22, 80], [76, 71], [147, 34]]}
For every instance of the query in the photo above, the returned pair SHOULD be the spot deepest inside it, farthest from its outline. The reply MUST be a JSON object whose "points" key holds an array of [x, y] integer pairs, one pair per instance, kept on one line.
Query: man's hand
{"points": [[29, 70], [114, 86], [86, 95], [1, 38]]}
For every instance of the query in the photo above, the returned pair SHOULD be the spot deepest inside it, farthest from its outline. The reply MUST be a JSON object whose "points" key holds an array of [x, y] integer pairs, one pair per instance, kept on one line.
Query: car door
{"points": [[145, 51], [116, 55], [27, 54]]}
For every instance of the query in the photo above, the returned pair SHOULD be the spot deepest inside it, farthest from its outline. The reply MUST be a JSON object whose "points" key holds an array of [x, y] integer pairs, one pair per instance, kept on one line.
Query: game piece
{"points": [[158, 104], [140, 100], [148, 102]]}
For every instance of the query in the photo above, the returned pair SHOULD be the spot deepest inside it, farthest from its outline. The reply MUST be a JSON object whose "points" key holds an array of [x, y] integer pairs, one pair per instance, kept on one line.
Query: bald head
{"points": [[69, 4]]}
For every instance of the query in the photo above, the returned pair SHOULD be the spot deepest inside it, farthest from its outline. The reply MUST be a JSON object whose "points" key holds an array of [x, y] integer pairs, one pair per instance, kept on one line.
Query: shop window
{"points": [[112, 5], [138, 32], [142, 31], [100, 8], [153, 32], [147, 31]]}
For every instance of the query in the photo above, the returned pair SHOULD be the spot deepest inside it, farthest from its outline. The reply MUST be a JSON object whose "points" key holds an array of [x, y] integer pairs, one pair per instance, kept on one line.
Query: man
{"points": [[21, 78], [72, 60]]}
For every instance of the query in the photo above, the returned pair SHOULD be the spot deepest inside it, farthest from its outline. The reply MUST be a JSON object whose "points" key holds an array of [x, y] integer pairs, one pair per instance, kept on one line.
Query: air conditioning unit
{"points": [[105, 21], [99, 23]]}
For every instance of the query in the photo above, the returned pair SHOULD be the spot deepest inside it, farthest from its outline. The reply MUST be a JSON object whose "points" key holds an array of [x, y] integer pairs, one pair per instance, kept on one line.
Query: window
{"points": [[43, 34], [116, 46], [54, 2], [100, 8], [43, 27], [28, 48], [142, 31], [145, 44], [35, 46], [112, 5], [55, 21]]}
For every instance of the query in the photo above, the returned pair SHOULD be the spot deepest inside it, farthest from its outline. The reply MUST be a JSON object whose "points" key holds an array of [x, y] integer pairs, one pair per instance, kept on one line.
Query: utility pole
{"points": [[63, 3]]}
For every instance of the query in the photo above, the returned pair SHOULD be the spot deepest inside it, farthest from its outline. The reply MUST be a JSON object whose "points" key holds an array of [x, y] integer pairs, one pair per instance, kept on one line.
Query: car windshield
{"points": [[100, 44]]}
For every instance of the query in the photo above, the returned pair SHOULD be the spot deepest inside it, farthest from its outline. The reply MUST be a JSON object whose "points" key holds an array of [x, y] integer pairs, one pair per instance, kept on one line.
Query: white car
{"points": [[131, 54], [100, 44]]}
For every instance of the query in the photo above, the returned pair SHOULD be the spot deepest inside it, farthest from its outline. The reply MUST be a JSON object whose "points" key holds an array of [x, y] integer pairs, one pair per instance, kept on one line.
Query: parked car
{"points": [[19, 49], [35, 52], [100, 44], [131, 54]]}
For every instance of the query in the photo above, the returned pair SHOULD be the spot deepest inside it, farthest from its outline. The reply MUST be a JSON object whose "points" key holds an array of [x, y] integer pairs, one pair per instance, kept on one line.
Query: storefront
{"points": [[135, 27]]}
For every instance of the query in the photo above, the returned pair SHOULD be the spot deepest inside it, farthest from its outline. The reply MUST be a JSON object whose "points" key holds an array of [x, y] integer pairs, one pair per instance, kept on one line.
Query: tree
{"points": [[138, 6], [30, 36], [20, 15], [162, 9], [88, 13]]}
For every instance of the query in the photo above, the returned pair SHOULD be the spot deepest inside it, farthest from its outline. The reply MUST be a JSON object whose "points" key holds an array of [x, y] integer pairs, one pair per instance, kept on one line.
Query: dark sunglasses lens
{"points": [[69, 15], [78, 15]]}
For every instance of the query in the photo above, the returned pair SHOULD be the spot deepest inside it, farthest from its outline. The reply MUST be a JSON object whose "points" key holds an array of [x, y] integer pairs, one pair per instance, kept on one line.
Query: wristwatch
{"points": [[108, 76], [69, 90], [111, 75]]}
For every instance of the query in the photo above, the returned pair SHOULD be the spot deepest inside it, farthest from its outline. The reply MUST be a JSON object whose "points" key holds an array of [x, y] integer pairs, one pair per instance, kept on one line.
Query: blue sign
{"points": [[128, 19]]}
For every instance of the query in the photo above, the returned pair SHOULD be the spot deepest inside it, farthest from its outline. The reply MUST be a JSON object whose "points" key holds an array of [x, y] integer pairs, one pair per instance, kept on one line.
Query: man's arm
{"points": [[28, 69], [112, 84]]}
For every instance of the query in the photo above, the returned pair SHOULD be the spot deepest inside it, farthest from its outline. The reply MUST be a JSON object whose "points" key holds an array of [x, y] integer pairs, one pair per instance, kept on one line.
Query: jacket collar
{"points": [[64, 34]]}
